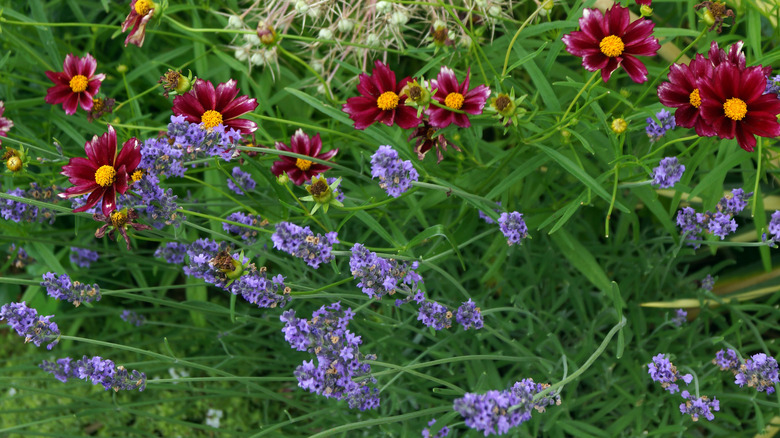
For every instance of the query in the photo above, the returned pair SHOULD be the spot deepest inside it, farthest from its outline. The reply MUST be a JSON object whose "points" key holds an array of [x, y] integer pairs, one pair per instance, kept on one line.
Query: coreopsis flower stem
{"points": [[652, 86], [615, 170], [306, 211], [579, 93], [134, 97], [759, 151], [368, 206], [619, 326], [514, 39], [669, 143]]}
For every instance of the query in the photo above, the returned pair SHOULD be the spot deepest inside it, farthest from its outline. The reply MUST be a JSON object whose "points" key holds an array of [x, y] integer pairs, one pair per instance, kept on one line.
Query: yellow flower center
{"points": [[142, 7], [387, 101], [137, 175], [302, 164], [211, 119], [619, 126], [78, 83], [454, 100], [105, 176], [735, 108], [695, 98], [118, 218], [612, 46]]}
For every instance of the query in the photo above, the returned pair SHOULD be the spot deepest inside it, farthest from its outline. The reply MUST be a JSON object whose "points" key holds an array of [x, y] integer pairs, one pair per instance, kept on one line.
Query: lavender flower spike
{"points": [[513, 226], [760, 372], [668, 173], [395, 175], [98, 371], [62, 288], [302, 243], [701, 406], [664, 372], [26, 321]]}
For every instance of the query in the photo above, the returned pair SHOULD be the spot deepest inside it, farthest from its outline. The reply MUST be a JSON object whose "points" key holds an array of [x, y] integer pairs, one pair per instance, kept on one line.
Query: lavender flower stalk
{"points": [[395, 175], [513, 226], [668, 173], [301, 242], [62, 288], [98, 371], [26, 321], [663, 371]]}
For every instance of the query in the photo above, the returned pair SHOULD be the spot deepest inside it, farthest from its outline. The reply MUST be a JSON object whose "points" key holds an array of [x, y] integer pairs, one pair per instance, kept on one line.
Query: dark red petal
{"points": [[638, 32], [226, 92], [686, 116], [590, 24], [188, 105], [617, 20], [474, 100], [406, 117], [752, 84], [88, 66], [366, 86], [328, 155], [465, 85], [635, 69], [93, 87], [80, 167], [461, 120], [238, 107], [130, 155], [58, 78], [71, 65], [612, 65], [58, 94], [71, 104], [85, 100], [446, 82], [109, 200], [746, 139], [120, 183], [297, 176], [242, 125], [580, 45], [205, 93], [595, 62], [673, 96], [440, 117], [386, 117], [315, 145], [93, 199], [81, 188], [383, 77]]}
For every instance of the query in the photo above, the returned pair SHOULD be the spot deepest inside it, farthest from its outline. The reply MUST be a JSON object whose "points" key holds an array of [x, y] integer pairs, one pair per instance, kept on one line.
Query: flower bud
{"points": [[619, 125], [283, 179], [235, 22], [645, 10]]}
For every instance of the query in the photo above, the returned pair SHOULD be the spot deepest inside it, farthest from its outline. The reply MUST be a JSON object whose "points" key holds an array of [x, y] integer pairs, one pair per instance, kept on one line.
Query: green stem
{"points": [[514, 39], [246, 207], [758, 178], [306, 211], [579, 93], [217, 219]]}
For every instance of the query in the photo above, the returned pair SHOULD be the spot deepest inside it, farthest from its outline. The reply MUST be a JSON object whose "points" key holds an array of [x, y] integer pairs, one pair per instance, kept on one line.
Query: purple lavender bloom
{"points": [[200, 254], [255, 287], [133, 318], [21, 212], [395, 175], [243, 181], [691, 224], [727, 360], [668, 173], [302, 243], [158, 204], [197, 142], [664, 372], [98, 371], [443, 432], [83, 257], [513, 226], [773, 85], [247, 235], [721, 225], [62, 288], [760, 372], [656, 130], [734, 204], [487, 218], [339, 361], [496, 412], [160, 157], [172, 252], [435, 315], [707, 283], [469, 315], [701, 406], [19, 258], [379, 276], [26, 321], [774, 225], [680, 317]]}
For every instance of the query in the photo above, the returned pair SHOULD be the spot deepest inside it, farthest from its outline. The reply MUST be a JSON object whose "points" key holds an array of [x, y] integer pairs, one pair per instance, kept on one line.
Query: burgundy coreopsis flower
{"points": [[298, 169], [682, 92], [77, 85], [141, 11], [118, 221], [381, 100], [606, 42], [5, 124], [203, 104], [104, 172], [451, 94], [732, 101], [426, 138]]}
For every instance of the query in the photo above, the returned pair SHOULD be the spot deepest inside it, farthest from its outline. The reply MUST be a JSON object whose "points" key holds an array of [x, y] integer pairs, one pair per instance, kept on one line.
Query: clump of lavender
{"points": [[162, 157], [680, 317], [443, 432], [172, 252], [302, 243], [200, 254], [26, 321], [241, 181], [656, 130], [720, 223], [435, 315], [668, 172], [496, 412], [62, 288], [487, 218], [196, 142], [340, 372], [727, 360], [18, 211], [513, 226], [379, 276], [698, 407], [133, 318], [395, 175], [83, 257], [255, 287], [98, 371], [707, 283], [774, 225], [469, 315], [158, 204], [248, 235], [760, 372], [663, 371]]}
